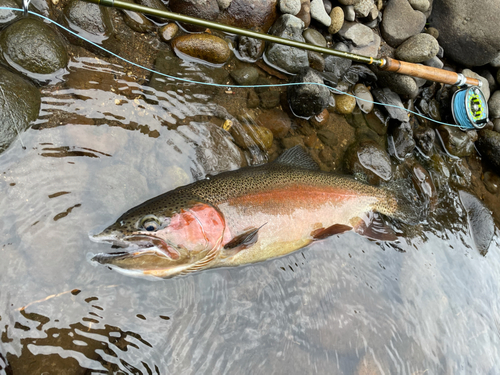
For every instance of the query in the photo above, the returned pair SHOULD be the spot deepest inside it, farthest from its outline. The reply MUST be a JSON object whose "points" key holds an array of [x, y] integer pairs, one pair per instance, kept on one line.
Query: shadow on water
{"points": [[427, 304]]}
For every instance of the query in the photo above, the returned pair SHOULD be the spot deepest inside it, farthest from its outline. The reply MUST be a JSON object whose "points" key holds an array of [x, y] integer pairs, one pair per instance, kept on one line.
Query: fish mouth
{"points": [[136, 245]]}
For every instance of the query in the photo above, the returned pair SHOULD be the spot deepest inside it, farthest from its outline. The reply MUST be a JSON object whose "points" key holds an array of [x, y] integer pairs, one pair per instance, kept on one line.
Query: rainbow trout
{"points": [[246, 216]]}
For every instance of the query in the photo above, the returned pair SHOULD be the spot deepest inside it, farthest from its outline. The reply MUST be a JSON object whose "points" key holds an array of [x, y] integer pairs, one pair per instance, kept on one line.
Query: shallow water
{"points": [[345, 305]]}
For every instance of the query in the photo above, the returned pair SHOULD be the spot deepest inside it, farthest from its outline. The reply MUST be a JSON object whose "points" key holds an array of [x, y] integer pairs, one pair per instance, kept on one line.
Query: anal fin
{"points": [[322, 233], [373, 227]]}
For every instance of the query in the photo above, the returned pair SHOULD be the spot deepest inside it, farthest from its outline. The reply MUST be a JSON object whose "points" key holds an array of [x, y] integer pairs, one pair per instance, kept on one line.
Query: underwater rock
{"points": [[418, 48], [404, 143], [307, 100], [19, 105], [338, 65], [424, 139], [275, 120], [248, 136], [488, 146], [90, 21], [368, 158], [155, 4], [491, 182], [424, 185], [253, 99], [337, 20], [250, 49], [344, 104], [169, 31], [8, 16], [456, 142], [288, 58], [468, 30], [400, 22], [481, 223], [138, 22], [269, 98], [247, 75], [314, 37], [32, 46], [206, 47], [321, 119]]}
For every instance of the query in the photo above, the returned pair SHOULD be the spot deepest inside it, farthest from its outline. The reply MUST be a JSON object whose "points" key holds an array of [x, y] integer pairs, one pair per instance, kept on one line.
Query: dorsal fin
{"points": [[297, 157]]}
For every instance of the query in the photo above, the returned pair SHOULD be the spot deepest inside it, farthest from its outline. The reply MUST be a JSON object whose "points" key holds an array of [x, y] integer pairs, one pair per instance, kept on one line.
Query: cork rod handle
{"points": [[427, 72]]}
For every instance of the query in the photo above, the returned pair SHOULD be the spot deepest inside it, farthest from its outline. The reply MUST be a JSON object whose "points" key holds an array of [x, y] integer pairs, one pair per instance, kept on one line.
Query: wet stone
{"points": [[245, 76], [259, 14], [88, 20], [247, 136], [205, 9], [19, 105], [403, 140], [250, 49], [368, 158], [275, 120], [269, 99], [169, 31], [33, 46], [307, 100], [424, 139], [321, 119], [314, 37], [418, 48], [456, 142], [481, 223], [492, 182], [253, 99], [287, 58], [138, 22], [488, 146], [8, 16], [376, 121], [206, 47], [344, 104], [364, 98], [396, 110], [337, 20]]}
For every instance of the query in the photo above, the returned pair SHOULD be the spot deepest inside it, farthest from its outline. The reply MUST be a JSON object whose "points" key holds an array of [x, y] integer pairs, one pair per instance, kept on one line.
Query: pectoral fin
{"points": [[243, 240], [322, 233], [373, 227]]}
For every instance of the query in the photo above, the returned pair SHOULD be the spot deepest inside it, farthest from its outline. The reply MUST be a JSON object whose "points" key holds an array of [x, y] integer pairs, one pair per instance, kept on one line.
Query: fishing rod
{"points": [[469, 106]]}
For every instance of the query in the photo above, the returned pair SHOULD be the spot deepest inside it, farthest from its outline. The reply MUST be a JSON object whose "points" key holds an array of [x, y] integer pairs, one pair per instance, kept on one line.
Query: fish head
{"points": [[163, 242]]}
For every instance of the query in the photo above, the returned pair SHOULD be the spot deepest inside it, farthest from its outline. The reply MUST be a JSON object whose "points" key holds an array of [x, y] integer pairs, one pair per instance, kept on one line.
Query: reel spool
{"points": [[469, 108]]}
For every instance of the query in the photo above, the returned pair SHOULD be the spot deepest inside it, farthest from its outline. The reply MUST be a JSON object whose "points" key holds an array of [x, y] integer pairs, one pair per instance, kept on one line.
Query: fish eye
{"points": [[149, 223]]}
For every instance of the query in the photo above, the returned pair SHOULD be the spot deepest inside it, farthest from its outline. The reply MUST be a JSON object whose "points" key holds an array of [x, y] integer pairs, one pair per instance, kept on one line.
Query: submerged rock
{"points": [[400, 21], [247, 75], [309, 99], [89, 21], [8, 16], [206, 47], [368, 158], [456, 142], [481, 223], [488, 146], [275, 120], [19, 105], [288, 58], [32, 46]]}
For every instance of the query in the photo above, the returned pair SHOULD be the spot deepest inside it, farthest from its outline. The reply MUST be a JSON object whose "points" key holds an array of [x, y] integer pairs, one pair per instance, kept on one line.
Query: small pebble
{"points": [[337, 17], [169, 31]]}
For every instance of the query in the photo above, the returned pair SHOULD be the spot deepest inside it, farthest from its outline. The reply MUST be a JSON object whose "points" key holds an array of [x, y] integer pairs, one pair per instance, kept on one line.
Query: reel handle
{"points": [[427, 72]]}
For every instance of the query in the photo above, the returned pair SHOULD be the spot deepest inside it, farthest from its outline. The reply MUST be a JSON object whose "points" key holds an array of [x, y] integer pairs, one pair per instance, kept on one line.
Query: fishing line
{"points": [[337, 91]]}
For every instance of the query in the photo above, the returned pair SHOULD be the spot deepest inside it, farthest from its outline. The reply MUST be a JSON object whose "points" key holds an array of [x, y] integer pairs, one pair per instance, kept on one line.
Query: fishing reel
{"points": [[469, 108]]}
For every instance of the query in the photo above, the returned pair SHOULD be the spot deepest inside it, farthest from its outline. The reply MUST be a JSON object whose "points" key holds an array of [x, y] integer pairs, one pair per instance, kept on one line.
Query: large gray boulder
{"points": [[468, 30], [400, 21]]}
